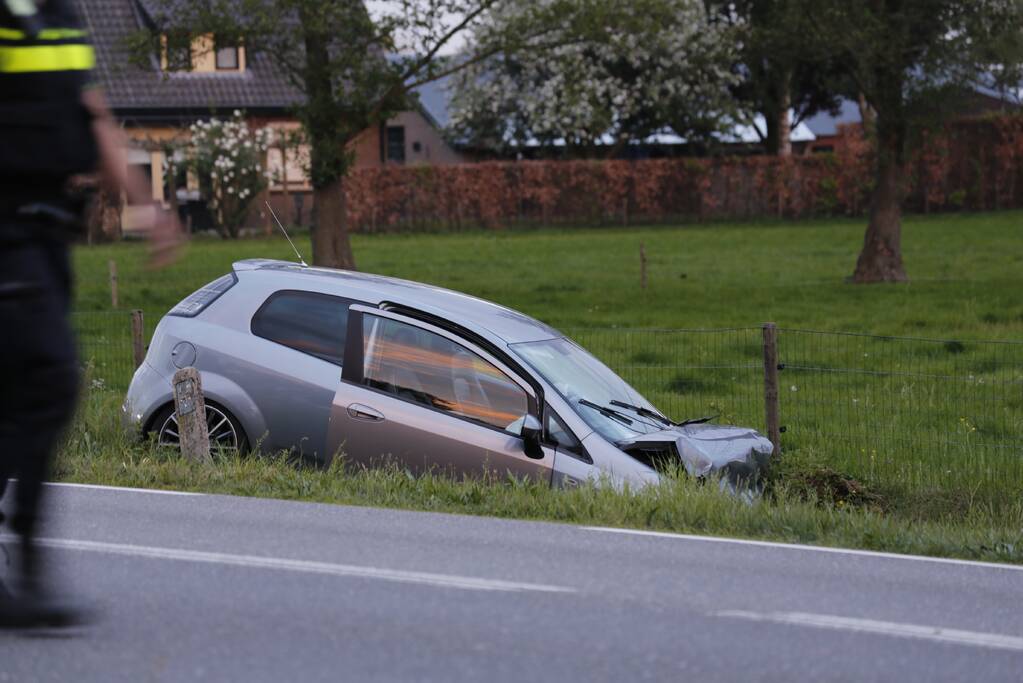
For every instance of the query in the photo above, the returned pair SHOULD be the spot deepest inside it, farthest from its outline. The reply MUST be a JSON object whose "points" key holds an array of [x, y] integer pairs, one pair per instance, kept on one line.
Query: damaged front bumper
{"points": [[735, 454]]}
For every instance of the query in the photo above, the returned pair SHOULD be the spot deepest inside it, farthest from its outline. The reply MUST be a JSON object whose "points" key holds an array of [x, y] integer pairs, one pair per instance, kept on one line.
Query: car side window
{"points": [[305, 321], [423, 367], [563, 438]]}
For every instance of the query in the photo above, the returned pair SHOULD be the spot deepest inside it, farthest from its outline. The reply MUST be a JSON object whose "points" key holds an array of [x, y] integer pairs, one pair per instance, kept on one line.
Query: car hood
{"points": [[739, 452]]}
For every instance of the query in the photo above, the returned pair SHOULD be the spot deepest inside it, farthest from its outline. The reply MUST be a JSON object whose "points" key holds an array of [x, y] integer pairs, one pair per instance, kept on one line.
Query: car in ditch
{"points": [[324, 362]]}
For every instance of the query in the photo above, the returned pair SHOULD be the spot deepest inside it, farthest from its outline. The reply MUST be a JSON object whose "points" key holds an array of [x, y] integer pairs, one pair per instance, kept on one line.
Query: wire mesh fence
{"points": [[106, 347], [914, 411], [919, 411], [688, 373]]}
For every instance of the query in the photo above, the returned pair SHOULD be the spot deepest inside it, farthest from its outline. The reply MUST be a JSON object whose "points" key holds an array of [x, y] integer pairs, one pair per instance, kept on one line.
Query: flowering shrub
{"points": [[228, 158]]}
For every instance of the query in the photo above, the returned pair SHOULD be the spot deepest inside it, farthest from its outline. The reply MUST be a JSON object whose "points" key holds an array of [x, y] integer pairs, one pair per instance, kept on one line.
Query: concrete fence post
{"points": [[772, 411], [191, 412], [138, 347], [112, 265]]}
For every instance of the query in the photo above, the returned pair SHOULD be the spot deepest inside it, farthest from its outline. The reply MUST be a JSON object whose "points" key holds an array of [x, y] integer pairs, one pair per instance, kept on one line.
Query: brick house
{"points": [[186, 83]]}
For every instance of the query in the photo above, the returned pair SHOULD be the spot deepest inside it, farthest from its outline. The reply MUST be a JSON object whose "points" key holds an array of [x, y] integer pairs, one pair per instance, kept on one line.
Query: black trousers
{"points": [[38, 367]]}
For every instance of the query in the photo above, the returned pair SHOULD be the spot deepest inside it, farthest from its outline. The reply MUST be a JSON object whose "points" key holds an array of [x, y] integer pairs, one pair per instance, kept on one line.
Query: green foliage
{"points": [[776, 68], [914, 61]]}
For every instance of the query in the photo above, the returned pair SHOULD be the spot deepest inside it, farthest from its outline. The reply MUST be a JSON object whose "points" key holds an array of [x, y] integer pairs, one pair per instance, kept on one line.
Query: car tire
{"points": [[225, 430]]}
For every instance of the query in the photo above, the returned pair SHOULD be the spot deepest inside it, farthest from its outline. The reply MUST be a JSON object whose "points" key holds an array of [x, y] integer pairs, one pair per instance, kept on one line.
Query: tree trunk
{"points": [[778, 120], [881, 257], [779, 133], [867, 115], [331, 245]]}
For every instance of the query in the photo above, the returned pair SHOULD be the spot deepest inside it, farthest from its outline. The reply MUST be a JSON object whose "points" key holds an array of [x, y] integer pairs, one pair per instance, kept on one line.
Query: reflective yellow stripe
{"points": [[60, 34], [46, 58], [45, 34]]}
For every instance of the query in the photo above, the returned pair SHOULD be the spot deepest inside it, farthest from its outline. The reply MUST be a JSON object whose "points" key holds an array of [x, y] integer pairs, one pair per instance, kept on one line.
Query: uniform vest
{"points": [[45, 131]]}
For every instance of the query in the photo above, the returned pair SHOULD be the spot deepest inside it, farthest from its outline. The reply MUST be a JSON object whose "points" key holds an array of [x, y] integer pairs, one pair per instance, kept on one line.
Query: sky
{"points": [[382, 7]]}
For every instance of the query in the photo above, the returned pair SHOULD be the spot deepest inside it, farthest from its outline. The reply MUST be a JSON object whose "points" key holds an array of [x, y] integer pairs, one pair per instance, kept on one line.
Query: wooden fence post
{"points": [[771, 407], [138, 347], [642, 265], [113, 283], [190, 407]]}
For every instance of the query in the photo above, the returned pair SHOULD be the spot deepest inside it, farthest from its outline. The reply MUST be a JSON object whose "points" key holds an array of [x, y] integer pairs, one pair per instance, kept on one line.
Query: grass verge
{"points": [[98, 452]]}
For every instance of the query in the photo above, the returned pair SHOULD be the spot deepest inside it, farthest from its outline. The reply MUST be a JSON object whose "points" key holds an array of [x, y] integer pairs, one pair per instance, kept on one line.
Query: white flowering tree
{"points": [[665, 66], [228, 158]]}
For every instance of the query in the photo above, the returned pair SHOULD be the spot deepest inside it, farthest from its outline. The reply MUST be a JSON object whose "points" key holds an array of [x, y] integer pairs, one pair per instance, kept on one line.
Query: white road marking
{"points": [[811, 548], [122, 488], [257, 562], [886, 628]]}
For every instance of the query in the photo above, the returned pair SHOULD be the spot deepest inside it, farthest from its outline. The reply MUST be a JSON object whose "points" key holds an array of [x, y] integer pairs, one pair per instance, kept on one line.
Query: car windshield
{"points": [[590, 387]]}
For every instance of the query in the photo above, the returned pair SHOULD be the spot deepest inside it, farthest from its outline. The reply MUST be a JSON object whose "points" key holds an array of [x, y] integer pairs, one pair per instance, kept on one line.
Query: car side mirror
{"points": [[532, 432]]}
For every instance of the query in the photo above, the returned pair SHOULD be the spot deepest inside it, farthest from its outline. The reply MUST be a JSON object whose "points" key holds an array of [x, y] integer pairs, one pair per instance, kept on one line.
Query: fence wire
{"points": [[687, 373], [105, 348], [918, 412]]}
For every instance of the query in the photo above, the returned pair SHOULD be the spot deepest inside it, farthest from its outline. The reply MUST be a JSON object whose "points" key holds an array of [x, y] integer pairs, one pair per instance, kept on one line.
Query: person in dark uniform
{"points": [[53, 126]]}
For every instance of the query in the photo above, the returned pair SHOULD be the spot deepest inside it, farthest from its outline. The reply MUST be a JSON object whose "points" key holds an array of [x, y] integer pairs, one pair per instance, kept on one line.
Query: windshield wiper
{"points": [[646, 412], [698, 420], [605, 411]]}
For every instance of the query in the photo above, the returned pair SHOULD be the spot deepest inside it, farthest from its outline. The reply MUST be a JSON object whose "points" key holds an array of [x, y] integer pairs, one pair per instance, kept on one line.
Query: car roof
{"points": [[477, 314]]}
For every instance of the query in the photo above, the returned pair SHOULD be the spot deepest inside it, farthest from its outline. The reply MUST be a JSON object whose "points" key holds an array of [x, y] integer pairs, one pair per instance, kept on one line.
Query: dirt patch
{"points": [[834, 489]]}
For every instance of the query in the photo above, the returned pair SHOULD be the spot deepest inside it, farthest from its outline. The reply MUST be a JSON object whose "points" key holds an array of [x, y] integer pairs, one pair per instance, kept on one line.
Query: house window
{"points": [[227, 57], [177, 55], [200, 54], [395, 144], [294, 171]]}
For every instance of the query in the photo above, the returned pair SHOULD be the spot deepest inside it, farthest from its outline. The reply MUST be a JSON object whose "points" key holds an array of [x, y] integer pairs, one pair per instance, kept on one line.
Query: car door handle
{"points": [[361, 412]]}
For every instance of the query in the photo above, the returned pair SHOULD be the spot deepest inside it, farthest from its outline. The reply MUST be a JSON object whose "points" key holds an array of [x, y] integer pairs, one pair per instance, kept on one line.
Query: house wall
{"points": [[424, 145], [367, 149]]}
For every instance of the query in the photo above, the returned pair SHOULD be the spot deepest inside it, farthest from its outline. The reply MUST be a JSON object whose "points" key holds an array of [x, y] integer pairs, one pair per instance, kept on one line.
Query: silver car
{"points": [[324, 362]]}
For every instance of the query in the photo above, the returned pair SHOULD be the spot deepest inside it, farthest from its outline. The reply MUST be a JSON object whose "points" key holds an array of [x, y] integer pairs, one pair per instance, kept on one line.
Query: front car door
{"points": [[427, 399]]}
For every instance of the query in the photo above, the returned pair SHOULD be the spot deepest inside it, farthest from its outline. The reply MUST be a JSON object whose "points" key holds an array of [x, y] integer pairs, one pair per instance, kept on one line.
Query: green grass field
{"points": [[932, 427], [966, 272]]}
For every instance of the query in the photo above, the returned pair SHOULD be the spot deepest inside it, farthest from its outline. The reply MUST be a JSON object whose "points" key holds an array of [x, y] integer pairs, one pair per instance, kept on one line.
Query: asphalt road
{"points": [[217, 588]]}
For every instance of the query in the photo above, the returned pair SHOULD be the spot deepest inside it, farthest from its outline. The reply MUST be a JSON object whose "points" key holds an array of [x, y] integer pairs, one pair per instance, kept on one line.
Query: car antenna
{"points": [[281, 226]]}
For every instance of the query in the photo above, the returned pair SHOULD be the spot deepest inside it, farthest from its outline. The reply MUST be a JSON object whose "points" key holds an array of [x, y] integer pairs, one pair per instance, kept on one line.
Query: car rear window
{"points": [[305, 321]]}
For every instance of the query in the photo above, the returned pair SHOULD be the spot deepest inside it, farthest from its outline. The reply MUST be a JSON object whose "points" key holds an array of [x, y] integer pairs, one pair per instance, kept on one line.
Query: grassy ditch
{"points": [[804, 505]]}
